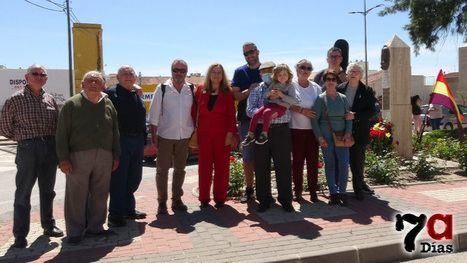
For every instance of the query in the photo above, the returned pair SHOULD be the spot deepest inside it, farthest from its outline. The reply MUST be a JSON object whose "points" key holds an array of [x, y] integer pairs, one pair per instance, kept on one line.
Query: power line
{"points": [[74, 16], [57, 4], [43, 7]]}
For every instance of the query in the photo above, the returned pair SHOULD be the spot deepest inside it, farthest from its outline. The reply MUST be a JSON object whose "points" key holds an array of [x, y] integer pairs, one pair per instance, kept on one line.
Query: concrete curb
{"points": [[388, 251]]}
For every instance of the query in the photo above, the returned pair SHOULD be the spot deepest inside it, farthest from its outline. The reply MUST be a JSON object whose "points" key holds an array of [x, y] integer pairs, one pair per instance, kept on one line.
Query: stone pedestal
{"points": [[400, 91]]}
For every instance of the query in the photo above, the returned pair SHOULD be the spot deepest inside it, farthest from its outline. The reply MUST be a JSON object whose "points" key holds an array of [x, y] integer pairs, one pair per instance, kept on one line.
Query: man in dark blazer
{"points": [[362, 105]]}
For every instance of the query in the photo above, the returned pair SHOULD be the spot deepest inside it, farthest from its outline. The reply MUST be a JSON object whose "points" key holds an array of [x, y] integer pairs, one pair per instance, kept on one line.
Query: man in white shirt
{"points": [[170, 116]]}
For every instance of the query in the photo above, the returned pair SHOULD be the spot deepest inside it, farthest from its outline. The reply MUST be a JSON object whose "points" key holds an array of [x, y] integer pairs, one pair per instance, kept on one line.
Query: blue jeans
{"points": [[336, 165], [35, 159], [126, 179], [435, 123], [248, 153]]}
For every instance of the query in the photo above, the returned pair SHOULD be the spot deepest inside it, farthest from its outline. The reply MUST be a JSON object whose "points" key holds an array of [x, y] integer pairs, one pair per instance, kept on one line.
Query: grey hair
{"points": [[249, 44], [93, 73], [304, 61], [126, 67], [354, 65], [35, 66], [179, 61]]}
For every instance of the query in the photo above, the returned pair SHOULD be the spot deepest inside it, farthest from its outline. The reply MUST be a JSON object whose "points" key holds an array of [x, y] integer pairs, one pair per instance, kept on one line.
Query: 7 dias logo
{"points": [[420, 222]]}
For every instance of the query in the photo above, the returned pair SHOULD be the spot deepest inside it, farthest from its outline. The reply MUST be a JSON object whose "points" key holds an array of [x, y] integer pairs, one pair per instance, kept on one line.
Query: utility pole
{"points": [[364, 13], [70, 65]]}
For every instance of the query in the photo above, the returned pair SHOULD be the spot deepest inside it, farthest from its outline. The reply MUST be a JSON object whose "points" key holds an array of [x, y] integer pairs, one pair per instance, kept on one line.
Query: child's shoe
{"points": [[262, 139], [248, 140]]}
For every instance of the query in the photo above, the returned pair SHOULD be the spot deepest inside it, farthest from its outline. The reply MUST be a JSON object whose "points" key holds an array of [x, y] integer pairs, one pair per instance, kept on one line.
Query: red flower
{"points": [[232, 159]]}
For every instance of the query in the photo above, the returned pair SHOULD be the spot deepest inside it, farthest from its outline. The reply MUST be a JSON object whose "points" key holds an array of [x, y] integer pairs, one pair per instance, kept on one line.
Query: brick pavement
{"points": [[362, 232]]}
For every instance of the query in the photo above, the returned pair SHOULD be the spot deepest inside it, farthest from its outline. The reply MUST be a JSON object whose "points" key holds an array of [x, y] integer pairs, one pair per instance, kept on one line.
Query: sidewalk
{"points": [[362, 232]]}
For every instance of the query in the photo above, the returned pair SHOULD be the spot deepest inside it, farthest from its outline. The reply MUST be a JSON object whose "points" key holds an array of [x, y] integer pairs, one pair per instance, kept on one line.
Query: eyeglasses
{"points": [[36, 74], [249, 52], [331, 79], [335, 56], [179, 70], [305, 68]]}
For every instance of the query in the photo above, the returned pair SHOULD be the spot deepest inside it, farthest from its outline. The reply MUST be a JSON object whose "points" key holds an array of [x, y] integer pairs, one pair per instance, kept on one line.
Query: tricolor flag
{"points": [[442, 95]]}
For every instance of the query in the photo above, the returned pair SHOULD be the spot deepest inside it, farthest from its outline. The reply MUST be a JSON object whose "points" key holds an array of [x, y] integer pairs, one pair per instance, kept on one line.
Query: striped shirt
{"points": [[27, 116], [256, 101]]}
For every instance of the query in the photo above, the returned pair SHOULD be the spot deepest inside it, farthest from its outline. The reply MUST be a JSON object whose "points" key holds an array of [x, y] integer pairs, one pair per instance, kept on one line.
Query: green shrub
{"points": [[462, 157], [382, 169], [445, 148], [236, 176], [423, 168]]}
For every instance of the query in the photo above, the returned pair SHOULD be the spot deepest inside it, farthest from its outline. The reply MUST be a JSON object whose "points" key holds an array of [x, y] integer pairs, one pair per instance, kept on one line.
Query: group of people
{"points": [[97, 139], [434, 111]]}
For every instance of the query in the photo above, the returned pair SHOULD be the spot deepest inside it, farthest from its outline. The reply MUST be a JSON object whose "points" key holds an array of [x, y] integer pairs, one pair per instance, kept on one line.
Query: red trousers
{"points": [[265, 113], [214, 156], [304, 147]]}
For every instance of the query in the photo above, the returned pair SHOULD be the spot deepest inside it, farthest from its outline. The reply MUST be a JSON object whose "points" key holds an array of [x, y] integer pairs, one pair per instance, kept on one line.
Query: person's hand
{"points": [[65, 166], [308, 112], [228, 139], [348, 138], [115, 165], [322, 142], [350, 115], [138, 90], [252, 87]]}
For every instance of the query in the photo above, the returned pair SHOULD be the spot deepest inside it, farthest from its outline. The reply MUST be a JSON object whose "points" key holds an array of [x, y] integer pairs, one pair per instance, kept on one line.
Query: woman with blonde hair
{"points": [[217, 134]]}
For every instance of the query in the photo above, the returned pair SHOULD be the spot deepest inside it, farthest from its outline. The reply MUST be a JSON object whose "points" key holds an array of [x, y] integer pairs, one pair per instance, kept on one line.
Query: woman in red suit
{"points": [[217, 134]]}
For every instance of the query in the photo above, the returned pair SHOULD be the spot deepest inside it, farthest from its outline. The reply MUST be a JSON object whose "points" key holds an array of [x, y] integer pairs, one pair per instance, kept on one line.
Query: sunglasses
{"points": [[305, 68], [179, 70], [36, 74], [249, 52], [331, 79]]}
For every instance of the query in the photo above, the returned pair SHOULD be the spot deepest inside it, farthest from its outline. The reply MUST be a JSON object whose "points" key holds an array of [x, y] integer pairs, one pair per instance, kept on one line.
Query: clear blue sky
{"points": [[150, 34]]}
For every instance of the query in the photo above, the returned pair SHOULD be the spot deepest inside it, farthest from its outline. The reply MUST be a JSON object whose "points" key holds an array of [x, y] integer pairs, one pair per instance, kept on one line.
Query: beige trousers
{"points": [[176, 152], [87, 190]]}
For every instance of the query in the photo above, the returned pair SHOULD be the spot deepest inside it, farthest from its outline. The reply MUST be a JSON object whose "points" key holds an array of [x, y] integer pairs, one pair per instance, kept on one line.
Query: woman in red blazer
{"points": [[217, 134]]}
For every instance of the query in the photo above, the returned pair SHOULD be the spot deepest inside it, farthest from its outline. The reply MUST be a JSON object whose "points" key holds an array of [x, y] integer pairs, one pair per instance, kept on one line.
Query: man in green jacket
{"points": [[88, 151]]}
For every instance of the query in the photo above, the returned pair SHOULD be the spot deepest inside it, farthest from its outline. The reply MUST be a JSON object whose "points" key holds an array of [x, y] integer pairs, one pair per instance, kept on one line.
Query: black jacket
{"points": [[364, 108]]}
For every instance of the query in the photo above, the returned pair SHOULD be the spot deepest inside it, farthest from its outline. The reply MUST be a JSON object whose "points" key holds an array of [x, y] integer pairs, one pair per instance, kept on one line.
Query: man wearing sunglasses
{"points": [[30, 118], [334, 59], [246, 78], [170, 116]]}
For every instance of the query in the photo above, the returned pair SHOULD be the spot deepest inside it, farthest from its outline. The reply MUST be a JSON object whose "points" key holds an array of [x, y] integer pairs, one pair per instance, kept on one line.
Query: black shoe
{"points": [[368, 190], [248, 140], [20, 242], [333, 200], [248, 196], [262, 207], [53, 232], [74, 240], [314, 197], [298, 198], [137, 215], [114, 221], [288, 208], [359, 195], [204, 204], [162, 209], [219, 205], [178, 205], [343, 200], [262, 139]]}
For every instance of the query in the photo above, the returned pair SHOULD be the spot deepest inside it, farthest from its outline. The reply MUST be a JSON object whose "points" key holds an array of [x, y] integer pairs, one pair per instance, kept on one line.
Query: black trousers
{"points": [[35, 159], [278, 148], [357, 164]]}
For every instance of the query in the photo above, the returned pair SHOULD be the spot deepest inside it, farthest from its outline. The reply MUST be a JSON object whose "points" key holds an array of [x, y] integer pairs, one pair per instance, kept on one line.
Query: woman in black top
{"points": [[416, 113]]}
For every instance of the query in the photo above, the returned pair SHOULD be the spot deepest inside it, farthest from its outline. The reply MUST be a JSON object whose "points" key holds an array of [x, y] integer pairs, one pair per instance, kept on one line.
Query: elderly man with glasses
{"points": [[170, 116], [334, 59], [30, 118], [88, 150]]}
